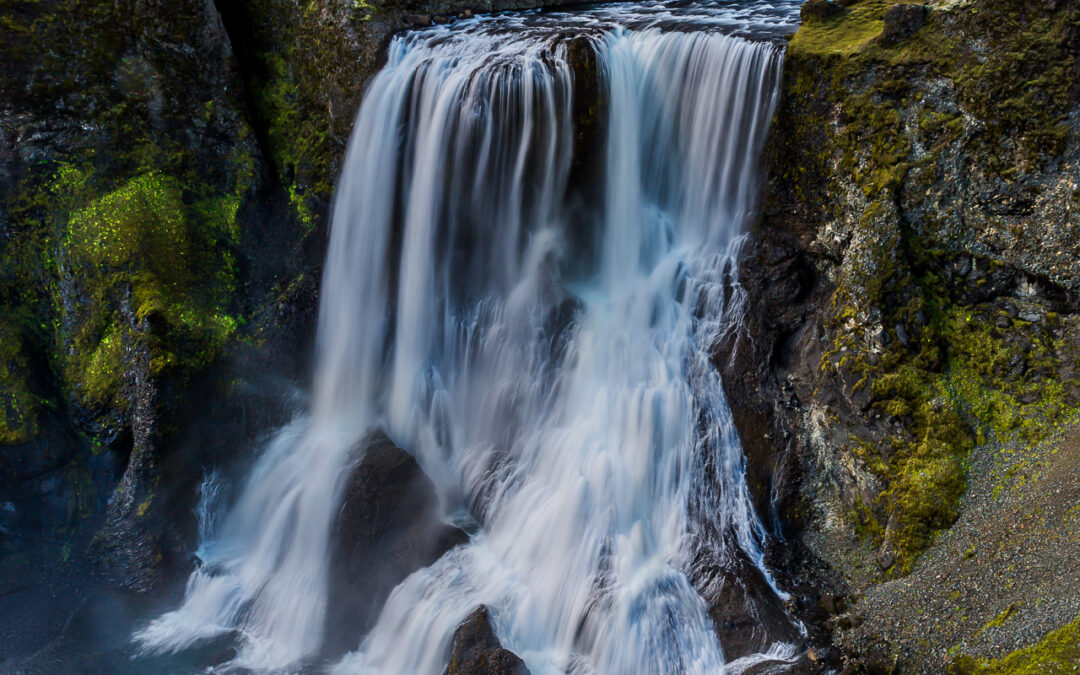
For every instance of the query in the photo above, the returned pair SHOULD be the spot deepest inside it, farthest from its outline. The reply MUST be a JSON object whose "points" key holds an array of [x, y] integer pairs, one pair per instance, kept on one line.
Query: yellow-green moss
{"points": [[140, 226], [100, 378], [1058, 652], [1003, 616], [18, 405], [139, 254], [842, 34]]}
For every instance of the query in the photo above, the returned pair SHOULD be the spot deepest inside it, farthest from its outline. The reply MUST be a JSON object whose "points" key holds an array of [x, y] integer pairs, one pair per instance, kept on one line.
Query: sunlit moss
{"points": [[1058, 652], [140, 225], [155, 280], [841, 34]]}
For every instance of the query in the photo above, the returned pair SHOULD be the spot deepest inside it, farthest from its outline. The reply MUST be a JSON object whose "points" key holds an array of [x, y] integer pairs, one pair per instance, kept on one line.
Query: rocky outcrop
{"points": [[746, 614], [388, 527], [135, 541], [914, 304], [124, 192], [476, 650]]}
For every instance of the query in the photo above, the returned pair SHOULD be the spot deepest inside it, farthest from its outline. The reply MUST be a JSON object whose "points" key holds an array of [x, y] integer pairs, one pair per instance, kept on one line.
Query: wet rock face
{"points": [[746, 614], [388, 527], [476, 650]]}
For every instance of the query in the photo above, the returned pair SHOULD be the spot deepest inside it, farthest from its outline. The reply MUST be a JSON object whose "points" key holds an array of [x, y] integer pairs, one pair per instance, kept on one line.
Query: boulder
{"points": [[476, 650], [819, 10], [901, 22], [746, 614], [387, 528]]}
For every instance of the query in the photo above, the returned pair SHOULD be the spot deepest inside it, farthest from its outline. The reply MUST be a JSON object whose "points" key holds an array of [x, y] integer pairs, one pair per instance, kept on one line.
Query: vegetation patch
{"points": [[845, 33], [937, 363], [1059, 652], [141, 269], [18, 404]]}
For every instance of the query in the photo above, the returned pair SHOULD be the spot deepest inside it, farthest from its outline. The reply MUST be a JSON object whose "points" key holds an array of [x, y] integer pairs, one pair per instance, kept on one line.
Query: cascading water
{"points": [[541, 347]]}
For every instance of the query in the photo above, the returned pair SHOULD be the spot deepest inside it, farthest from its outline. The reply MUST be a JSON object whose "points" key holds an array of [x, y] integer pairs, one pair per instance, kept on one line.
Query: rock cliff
{"points": [[911, 373]]}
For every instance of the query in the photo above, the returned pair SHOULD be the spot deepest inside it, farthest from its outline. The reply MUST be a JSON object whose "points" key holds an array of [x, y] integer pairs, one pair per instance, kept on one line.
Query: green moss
{"points": [[100, 380], [1003, 616], [1008, 377], [18, 404], [138, 226], [154, 277], [842, 34], [1058, 652]]}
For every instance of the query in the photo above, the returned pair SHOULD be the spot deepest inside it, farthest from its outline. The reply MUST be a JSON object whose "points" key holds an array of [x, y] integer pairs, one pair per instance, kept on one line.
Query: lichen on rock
{"points": [[921, 167]]}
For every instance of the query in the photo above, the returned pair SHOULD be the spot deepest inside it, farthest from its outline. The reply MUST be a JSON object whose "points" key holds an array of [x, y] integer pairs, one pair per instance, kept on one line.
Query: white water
{"points": [[557, 382]]}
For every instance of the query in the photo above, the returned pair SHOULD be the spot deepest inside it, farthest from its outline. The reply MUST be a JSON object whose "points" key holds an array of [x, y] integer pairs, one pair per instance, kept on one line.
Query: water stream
{"points": [[539, 335]]}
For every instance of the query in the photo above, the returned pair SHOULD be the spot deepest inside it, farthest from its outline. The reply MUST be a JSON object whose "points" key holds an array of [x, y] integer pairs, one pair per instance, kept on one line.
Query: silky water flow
{"points": [[538, 336]]}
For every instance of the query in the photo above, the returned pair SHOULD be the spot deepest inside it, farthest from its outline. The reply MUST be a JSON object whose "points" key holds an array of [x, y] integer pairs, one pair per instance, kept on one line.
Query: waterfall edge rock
{"points": [[388, 526], [476, 650]]}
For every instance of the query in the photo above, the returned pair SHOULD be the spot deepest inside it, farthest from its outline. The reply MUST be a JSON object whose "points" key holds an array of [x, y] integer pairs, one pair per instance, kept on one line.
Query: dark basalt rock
{"points": [[138, 543], [388, 527], [820, 10], [476, 650], [901, 22], [746, 614]]}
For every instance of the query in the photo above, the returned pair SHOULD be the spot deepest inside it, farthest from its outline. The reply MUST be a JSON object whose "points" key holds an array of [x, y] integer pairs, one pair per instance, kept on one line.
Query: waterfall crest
{"points": [[539, 341]]}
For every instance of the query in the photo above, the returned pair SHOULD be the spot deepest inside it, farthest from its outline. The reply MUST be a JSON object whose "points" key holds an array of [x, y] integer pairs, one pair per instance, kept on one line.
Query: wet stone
{"points": [[477, 651]]}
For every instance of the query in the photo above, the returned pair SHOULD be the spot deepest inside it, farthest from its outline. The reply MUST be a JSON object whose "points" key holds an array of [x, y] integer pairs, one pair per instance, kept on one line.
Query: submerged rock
{"points": [[477, 651], [388, 527]]}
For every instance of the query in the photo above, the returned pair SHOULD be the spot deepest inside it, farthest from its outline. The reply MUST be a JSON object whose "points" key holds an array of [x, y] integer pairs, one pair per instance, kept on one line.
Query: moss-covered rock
{"points": [[122, 235], [139, 254], [902, 135], [921, 173]]}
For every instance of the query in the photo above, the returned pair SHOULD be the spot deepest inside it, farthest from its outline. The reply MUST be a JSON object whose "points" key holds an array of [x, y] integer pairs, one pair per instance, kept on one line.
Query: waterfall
{"points": [[539, 340]]}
